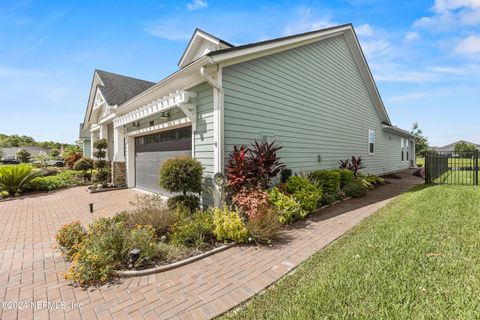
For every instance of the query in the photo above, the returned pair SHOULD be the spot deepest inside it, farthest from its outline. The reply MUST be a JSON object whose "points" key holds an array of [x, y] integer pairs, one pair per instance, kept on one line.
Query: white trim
{"points": [[370, 131], [108, 118], [154, 107], [95, 127], [177, 123]]}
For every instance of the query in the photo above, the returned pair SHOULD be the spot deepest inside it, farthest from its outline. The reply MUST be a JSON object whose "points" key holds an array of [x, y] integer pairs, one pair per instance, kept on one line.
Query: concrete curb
{"points": [[146, 272]]}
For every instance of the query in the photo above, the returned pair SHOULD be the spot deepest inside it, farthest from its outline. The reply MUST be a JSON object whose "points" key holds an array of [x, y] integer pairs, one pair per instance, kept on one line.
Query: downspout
{"points": [[217, 125]]}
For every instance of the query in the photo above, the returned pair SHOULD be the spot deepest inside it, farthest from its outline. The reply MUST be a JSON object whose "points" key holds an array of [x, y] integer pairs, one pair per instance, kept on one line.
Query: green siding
{"points": [[311, 99], [204, 133]]}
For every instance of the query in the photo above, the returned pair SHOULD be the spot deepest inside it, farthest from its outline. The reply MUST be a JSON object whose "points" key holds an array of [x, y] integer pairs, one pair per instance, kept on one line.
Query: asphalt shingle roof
{"points": [[118, 89]]}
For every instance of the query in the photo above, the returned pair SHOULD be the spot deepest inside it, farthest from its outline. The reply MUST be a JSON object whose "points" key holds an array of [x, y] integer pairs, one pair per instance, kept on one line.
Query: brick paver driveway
{"points": [[31, 270]]}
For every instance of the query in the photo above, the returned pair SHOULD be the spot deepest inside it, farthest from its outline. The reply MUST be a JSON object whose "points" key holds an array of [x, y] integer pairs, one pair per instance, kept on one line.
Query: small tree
{"points": [[72, 154], [465, 149], [103, 174], [421, 142], [86, 166], [54, 153], [181, 174], [43, 159], [23, 156]]}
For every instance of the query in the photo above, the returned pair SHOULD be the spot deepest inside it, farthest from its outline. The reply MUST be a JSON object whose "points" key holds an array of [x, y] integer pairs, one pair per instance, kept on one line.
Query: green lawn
{"points": [[456, 177], [417, 258]]}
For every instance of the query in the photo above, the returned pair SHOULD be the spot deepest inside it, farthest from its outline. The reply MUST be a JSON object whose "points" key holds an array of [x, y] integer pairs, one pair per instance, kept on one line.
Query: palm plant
{"points": [[72, 154], [14, 179]]}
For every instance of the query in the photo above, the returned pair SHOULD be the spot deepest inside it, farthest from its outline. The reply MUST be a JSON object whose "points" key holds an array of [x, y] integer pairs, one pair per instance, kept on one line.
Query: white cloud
{"points": [[170, 30], [451, 14], [364, 30], [411, 37], [468, 46], [197, 4], [306, 21], [409, 96], [375, 48]]}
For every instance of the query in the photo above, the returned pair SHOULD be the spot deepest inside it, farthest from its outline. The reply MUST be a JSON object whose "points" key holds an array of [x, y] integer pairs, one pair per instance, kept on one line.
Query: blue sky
{"points": [[424, 55]]}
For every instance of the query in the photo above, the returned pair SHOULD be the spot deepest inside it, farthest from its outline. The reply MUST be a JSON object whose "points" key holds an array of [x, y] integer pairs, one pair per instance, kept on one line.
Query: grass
{"points": [[465, 177], [416, 258]]}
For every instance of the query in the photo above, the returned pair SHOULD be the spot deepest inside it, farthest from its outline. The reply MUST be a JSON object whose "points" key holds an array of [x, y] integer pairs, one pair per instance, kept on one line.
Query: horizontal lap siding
{"points": [[204, 133], [313, 100]]}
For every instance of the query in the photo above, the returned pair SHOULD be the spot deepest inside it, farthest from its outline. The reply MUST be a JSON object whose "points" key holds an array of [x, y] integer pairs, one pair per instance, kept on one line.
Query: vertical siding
{"points": [[312, 100]]}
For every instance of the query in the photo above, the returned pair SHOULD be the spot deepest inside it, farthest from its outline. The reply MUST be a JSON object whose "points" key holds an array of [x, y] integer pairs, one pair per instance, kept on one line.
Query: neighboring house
{"points": [[11, 153], [313, 93], [451, 147]]}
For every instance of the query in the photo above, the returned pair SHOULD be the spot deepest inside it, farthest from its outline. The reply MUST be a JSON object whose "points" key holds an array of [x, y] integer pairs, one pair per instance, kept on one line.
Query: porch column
{"points": [[130, 162], [93, 138], [119, 170], [104, 135]]}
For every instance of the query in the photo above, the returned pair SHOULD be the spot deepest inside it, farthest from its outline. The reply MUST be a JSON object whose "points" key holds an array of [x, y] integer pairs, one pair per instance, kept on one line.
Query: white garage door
{"points": [[152, 150]]}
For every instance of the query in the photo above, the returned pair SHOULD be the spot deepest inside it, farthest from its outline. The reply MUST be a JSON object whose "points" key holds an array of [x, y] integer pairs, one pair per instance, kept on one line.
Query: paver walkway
{"points": [[31, 270]]}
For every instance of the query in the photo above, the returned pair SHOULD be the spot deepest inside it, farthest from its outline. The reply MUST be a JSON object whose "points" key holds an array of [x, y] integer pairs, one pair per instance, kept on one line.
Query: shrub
{"points": [[285, 174], [84, 165], [181, 174], [266, 162], [64, 179], [419, 164], [265, 225], [102, 176], [103, 250], [69, 238], [354, 164], [16, 178], [3, 194], [355, 189], [346, 176], [193, 230], [304, 192], [46, 172], [289, 209], [228, 226], [240, 169], [151, 210], [327, 180], [253, 166], [249, 200], [142, 237], [23, 156], [191, 202]]}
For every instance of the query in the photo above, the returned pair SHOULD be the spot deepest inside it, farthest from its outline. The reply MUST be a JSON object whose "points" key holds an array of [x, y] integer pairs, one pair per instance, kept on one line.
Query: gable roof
{"points": [[234, 55], [117, 89], [198, 37], [451, 146]]}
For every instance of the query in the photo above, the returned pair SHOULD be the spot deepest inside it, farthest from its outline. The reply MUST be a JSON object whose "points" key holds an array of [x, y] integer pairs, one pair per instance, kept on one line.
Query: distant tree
{"points": [[23, 155], [54, 153], [421, 142], [465, 149]]}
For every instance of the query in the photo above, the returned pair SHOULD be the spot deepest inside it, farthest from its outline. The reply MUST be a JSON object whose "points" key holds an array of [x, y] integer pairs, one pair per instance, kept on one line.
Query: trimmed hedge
{"points": [[327, 180], [346, 176], [304, 192]]}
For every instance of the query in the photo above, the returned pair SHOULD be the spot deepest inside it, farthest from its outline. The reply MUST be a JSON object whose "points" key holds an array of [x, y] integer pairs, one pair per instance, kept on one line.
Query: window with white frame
{"points": [[371, 142]]}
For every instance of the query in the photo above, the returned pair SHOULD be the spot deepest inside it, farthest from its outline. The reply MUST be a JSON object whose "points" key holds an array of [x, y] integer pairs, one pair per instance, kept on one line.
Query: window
{"points": [[371, 142], [407, 155]]}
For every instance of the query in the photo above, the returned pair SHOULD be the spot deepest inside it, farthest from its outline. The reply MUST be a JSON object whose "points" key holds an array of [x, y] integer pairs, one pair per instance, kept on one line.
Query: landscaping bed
{"points": [[416, 258], [155, 233]]}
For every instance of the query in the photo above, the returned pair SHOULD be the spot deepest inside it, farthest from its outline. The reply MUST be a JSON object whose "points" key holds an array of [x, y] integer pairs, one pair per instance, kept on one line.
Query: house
{"points": [[312, 92], [11, 153], [451, 147]]}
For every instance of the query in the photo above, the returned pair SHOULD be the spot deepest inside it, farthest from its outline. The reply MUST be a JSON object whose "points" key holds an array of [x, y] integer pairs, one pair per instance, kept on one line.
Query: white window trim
{"points": [[374, 142]]}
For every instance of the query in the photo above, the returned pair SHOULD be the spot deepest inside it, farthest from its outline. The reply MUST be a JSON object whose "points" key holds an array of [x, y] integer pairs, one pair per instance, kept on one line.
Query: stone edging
{"points": [[146, 272]]}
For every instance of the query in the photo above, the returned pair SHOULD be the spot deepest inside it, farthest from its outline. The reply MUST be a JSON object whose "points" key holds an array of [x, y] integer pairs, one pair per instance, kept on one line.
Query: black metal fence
{"points": [[445, 167]]}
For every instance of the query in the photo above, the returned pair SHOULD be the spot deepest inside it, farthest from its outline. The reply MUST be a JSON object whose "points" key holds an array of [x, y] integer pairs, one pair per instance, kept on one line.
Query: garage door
{"points": [[152, 150]]}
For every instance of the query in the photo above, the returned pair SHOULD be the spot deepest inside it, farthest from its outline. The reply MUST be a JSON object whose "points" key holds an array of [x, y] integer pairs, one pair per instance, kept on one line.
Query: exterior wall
{"points": [[203, 136], [314, 102], [203, 148], [87, 150]]}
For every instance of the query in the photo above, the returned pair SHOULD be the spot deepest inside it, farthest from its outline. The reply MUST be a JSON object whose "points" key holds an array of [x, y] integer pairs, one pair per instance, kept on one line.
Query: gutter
{"points": [[398, 131]]}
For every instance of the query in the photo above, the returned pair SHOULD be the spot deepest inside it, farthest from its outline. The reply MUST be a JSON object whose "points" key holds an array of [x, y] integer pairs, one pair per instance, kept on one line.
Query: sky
{"points": [[424, 55]]}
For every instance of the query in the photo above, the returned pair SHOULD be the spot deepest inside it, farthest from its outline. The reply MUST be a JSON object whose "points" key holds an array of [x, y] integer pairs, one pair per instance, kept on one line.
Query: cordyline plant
{"points": [[255, 166], [354, 164]]}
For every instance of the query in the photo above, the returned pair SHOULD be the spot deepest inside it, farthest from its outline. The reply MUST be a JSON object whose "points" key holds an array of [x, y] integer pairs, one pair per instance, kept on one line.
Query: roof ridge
{"points": [[121, 75]]}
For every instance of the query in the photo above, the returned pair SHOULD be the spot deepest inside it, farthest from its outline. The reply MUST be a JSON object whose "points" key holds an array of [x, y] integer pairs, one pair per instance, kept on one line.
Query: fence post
{"points": [[476, 167]]}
